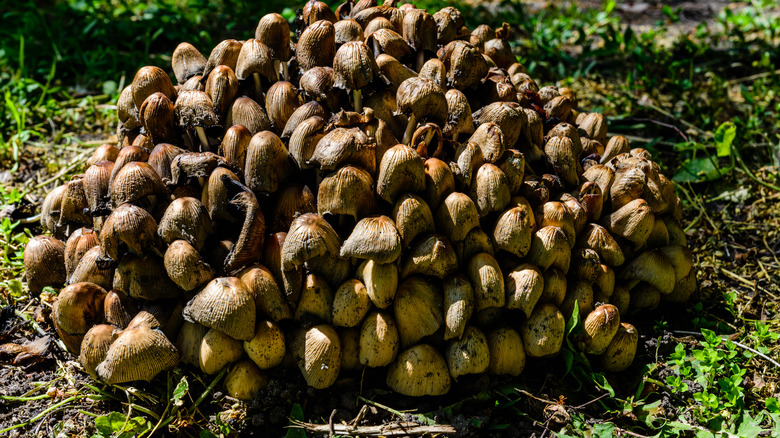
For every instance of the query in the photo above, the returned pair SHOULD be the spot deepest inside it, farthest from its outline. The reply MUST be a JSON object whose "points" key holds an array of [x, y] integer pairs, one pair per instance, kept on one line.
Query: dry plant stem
{"points": [[358, 99], [204, 141], [409, 129], [76, 162], [391, 429]]}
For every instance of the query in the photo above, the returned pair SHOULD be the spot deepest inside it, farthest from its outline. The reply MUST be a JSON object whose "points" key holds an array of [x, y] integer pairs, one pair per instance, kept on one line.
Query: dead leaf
{"points": [[27, 354]]}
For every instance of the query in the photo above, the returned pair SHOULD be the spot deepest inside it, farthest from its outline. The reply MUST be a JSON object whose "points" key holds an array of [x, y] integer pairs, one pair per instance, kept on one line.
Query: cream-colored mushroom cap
{"points": [[419, 371]]}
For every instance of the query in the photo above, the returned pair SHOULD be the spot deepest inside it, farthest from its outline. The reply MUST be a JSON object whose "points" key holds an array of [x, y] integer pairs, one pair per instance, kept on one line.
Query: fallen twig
{"points": [[390, 429]]}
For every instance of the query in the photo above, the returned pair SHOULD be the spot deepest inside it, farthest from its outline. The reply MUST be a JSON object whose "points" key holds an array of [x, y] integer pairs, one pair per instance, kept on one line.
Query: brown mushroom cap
{"points": [[226, 305]]}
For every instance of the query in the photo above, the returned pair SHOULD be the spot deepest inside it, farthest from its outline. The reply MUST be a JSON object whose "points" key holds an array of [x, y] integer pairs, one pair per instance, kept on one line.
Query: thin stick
{"points": [[76, 162], [392, 429]]}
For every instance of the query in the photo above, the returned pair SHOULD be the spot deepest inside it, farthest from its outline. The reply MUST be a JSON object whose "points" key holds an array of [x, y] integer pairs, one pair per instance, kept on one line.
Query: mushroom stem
{"points": [[285, 73], [258, 85], [409, 129], [204, 141], [428, 138], [377, 52], [358, 99], [277, 69], [420, 60], [455, 137]]}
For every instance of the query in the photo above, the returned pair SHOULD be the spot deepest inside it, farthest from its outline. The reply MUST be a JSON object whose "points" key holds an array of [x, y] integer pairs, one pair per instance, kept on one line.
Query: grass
{"points": [[705, 102]]}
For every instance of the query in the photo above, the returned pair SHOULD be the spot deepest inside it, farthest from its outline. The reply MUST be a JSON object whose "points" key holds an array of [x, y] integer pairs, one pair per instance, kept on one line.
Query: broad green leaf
{"points": [[296, 414], [697, 170], [749, 426], [604, 430], [574, 321], [724, 137], [180, 391], [108, 424]]}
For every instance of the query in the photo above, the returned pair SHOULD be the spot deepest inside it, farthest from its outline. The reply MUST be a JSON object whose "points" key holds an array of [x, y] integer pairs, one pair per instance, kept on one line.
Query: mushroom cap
{"points": [[318, 353], [374, 238], [76, 309], [137, 354], [379, 340], [419, 371], [432, 256], [187, 62], [310, 236], [422, 98], [195, 108], [226, 305], [44, 263]]}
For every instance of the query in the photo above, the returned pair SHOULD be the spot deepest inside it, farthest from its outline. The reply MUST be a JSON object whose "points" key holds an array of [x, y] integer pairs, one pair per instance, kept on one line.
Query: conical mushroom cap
{"points": [[544, 331], [226, 305], [185, 266], [524, 287], [135, 181], [485, 275], [621, 351], [468, 355], [309, 236], [267, 347], [381, 281], [417, 308], [244, 380], [218, 349], [456, 216], [95, 346], [422, 98], [379, 340], [652, 267], [419, 371], [77, 308], [597, 238], [514, 230], [458, 305], [350, 304], [44, 263], [255, 57], [401, 170], [317, 46], [600, 327], [274, 31], [137, 354], [187, 62], [433, 256], [507, 354], [374, 238], [185, 218], [550, 247], [269, 298], [318, 352], [412, 218]]}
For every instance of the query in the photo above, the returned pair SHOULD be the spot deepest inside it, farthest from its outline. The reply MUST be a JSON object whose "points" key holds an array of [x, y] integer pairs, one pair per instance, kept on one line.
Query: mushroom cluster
{"points": [[390, 190]]}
